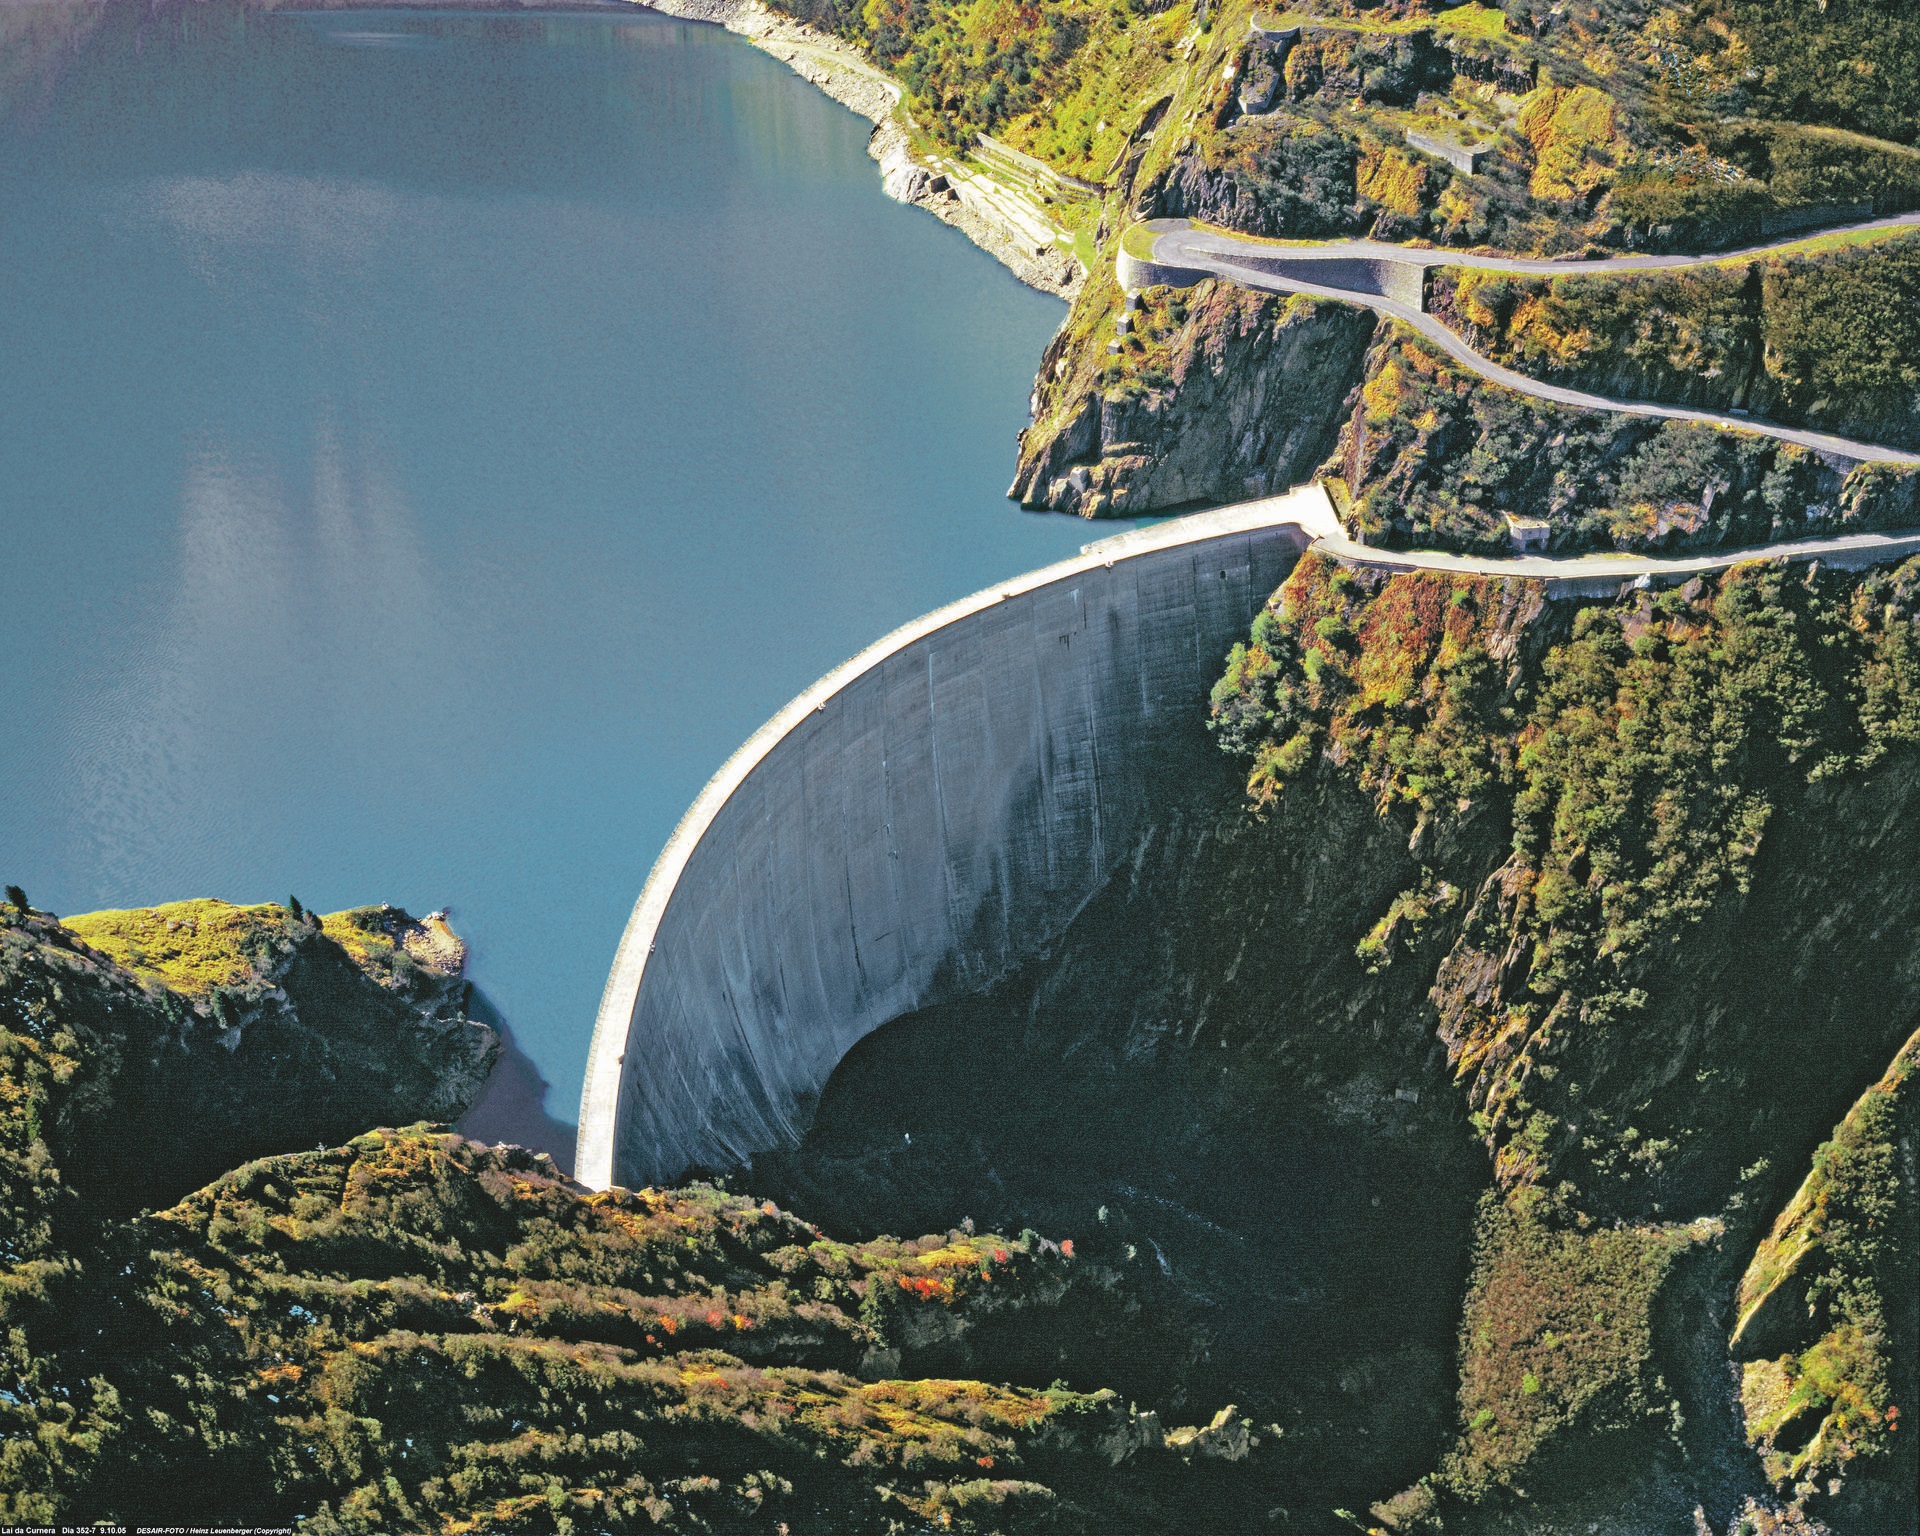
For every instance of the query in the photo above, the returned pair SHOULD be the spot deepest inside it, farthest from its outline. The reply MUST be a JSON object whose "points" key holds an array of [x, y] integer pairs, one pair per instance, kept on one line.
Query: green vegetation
{"points": [[1556, 1337], [1433, 455], [1137, 241], [1470, 20], [1746, 183], [1851, 63], [1842, 340], [415, 1332], [1826, 339], [214, 951], [195, 948], [1643, 754], [1575, 134], [1825, 1324]]}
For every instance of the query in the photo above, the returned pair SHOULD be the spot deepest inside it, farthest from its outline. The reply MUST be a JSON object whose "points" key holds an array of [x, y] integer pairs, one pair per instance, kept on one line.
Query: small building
{"points": [[1529, 534], [1464, 158]]}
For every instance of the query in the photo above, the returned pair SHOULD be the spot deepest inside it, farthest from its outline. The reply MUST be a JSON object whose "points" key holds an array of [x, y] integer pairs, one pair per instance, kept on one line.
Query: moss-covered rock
{"points": [[1827, 1321], [199, 1034]]}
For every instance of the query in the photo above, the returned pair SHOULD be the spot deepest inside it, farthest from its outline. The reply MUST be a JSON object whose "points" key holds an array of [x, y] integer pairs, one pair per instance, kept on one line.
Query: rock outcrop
{"points": [[1216, 393], [1827, 1318], [202, 1034]]}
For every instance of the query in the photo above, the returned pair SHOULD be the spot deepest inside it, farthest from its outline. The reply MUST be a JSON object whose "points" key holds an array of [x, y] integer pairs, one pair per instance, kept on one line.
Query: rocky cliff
{"points": [[1204, 395], [188, 1038], [1215, 393]]}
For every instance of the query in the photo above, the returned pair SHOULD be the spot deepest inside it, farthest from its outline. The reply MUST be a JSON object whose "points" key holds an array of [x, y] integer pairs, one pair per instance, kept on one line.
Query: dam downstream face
{"points": [[910, 829], [1134, 1018]]}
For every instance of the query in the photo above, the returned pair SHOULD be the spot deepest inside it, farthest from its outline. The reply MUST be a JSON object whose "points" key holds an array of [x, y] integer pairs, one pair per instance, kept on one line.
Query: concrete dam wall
{"points": [[910, 828], [1402, 281], [1401, 278]]}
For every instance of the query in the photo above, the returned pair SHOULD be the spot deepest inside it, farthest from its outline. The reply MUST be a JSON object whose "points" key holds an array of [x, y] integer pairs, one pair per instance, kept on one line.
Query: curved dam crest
{"points": [[919, 821]]}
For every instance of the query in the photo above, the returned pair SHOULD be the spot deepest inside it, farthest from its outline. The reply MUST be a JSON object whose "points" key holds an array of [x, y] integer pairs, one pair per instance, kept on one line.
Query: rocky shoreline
{"points": [[855, 83]]}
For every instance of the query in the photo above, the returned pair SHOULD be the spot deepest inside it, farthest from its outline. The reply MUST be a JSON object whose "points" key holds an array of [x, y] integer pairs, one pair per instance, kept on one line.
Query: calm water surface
{"points": [[430, 443]]}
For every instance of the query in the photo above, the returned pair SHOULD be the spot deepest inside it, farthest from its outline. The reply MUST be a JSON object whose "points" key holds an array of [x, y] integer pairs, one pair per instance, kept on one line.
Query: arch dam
{"points": [[940, 808], [912, 827]]}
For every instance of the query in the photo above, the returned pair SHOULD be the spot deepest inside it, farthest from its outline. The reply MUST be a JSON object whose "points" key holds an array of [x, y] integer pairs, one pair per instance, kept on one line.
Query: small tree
{"points": [[17, 896], [299, 912]]}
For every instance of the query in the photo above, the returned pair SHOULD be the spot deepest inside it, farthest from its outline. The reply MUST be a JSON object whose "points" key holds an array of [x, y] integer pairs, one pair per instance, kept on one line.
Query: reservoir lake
{"points": [[430, 442]]}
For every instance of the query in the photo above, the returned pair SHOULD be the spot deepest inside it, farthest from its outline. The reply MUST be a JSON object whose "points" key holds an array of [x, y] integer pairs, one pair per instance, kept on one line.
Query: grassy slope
{"points": [[1649, 754], [1825, 335]]}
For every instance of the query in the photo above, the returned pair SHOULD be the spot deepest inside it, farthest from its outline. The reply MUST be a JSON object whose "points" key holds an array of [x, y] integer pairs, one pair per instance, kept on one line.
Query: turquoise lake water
{"points": [[430, 443]]}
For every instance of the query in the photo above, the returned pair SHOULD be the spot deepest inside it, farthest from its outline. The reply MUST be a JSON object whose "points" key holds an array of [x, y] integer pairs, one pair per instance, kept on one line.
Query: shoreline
{"points": [[858, 84], [862, 87]]}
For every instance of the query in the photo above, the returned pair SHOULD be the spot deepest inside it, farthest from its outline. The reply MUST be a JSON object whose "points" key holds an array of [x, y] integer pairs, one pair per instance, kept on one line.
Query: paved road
{"points": [[1415, 256], [1177, 244], [1595, 574], [1308, 508]]}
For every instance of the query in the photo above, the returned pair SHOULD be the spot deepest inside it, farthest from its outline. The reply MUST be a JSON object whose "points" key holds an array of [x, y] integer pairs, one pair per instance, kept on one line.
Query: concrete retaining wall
{"points": [[1135, 272], [1402, 281], [908, 829], [1465, 158]]}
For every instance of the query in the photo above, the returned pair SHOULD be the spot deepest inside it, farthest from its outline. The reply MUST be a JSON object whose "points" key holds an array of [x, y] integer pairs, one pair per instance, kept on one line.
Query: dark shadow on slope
{"points": [[1200, 1088], [512, 1107]]}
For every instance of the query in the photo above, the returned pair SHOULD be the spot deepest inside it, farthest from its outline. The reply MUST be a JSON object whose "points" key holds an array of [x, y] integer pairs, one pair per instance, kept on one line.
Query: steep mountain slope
{"points": [[1588, 127], [1615, 894]]}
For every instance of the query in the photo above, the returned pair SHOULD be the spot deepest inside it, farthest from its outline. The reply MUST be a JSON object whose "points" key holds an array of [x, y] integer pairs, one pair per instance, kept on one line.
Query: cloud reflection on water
{"points": [[323, 578]]}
